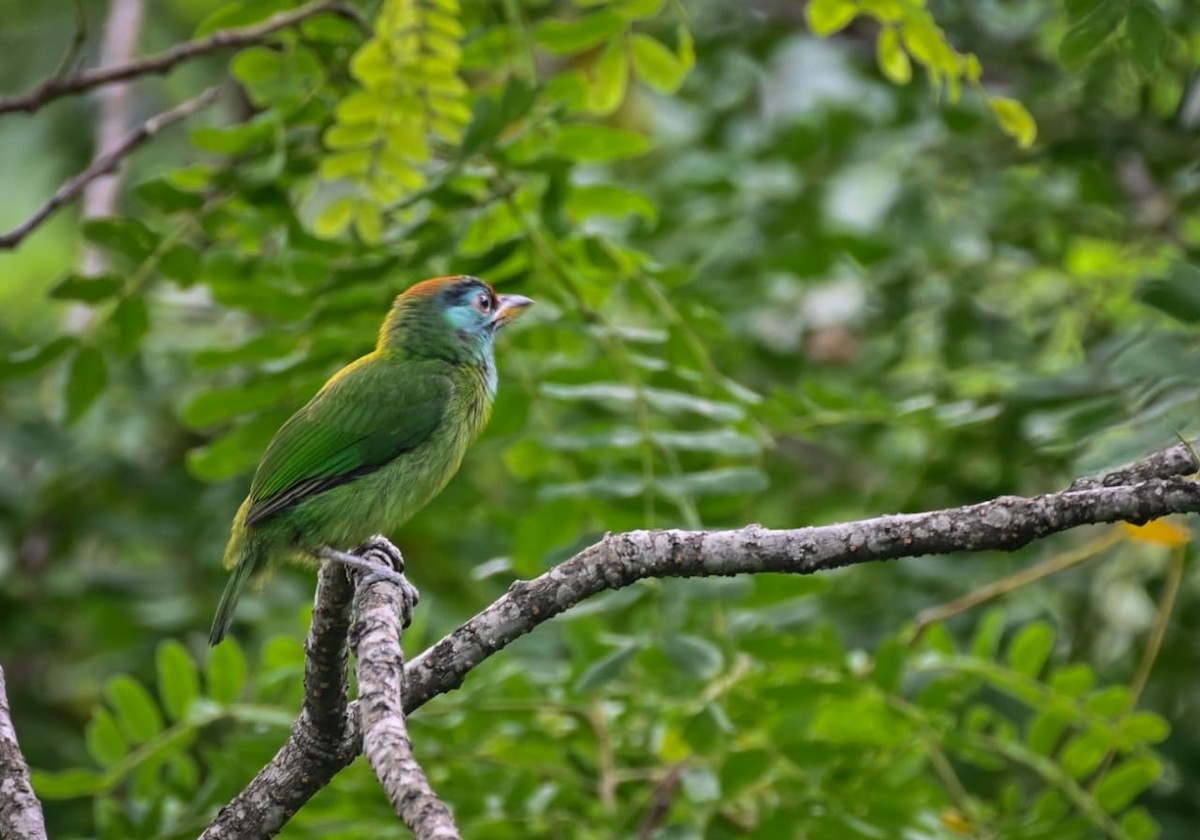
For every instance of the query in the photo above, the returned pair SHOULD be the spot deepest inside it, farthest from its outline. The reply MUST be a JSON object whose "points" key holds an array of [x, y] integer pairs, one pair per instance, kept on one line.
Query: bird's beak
{"points": [[510, 308]]}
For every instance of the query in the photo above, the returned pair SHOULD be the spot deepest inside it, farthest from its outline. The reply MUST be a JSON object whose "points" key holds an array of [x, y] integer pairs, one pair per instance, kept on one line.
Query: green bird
{"points": [[378, 441]]}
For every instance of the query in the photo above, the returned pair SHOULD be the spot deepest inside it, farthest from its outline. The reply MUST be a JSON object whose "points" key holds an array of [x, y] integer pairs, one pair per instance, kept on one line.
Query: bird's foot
{"points": [[378, 559]]}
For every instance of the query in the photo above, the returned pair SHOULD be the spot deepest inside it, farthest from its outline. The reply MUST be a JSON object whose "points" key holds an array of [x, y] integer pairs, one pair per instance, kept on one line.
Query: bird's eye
{"points": [[484, 303]]}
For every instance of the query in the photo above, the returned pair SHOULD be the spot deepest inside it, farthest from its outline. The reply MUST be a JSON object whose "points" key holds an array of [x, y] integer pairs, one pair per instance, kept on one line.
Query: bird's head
{"points": [[454, 318]]}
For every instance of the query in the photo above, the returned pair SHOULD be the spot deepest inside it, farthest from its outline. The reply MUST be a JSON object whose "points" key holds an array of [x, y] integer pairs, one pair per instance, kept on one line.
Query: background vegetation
{"points": [[937, 256]]}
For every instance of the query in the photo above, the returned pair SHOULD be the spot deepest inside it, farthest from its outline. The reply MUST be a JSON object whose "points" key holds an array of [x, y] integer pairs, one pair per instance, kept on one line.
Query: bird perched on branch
{"points": [[379, 440]]}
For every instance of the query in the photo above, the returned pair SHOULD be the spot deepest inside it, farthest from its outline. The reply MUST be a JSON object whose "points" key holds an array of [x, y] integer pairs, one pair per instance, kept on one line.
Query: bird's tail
{"points": [[245, 556]]}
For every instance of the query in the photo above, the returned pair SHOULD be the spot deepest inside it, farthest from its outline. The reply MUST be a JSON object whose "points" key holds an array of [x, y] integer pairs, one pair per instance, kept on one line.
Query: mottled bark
{"points": [[323, 740], [328, 734], [379, 604], [20, 810]]}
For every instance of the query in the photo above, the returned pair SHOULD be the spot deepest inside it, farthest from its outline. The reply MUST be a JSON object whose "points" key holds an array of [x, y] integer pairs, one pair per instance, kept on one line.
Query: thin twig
{"points": [[67, 62], [1005, 585], [107, 162], [56, 87], [1158, 633], [20, 811], [380, 670]]}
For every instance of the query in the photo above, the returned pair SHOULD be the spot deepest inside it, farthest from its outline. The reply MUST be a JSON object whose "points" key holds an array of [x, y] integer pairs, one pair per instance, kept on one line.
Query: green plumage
{"points": [[379, 440]]}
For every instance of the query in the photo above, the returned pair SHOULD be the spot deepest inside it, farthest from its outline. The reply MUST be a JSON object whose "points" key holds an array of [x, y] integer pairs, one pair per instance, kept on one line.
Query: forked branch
{"points": [[65, 85]]}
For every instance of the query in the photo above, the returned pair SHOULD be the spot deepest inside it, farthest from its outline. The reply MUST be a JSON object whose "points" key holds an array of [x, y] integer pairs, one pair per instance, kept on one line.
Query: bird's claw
{"points": [[381, 552], [378, 560]]}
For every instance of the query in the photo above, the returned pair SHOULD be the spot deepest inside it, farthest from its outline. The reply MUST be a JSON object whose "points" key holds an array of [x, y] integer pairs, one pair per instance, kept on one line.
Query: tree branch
{"points": [[324, 739], [105, 163], [56, 87], [20, 811], [618, 560], [1003, 524], [376, 639]]}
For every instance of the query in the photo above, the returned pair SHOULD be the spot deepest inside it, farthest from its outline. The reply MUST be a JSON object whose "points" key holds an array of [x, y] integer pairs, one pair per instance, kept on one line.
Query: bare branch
{"points": [[107, 162], [324, 739], [20, 812], [56, 87], [378, 602], [1003, 524]]}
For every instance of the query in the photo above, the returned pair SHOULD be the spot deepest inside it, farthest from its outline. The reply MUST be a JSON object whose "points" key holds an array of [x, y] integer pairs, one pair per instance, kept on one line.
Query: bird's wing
{"points": [[359, 422]]}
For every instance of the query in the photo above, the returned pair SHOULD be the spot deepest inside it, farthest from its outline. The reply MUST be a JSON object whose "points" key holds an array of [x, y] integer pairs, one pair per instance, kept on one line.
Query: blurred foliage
{"points": [[780, 279]]}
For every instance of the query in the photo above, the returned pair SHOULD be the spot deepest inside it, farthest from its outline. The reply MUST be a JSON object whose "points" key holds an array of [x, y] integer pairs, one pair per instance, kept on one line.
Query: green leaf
{"points": [[238, 451], [586, 201], [1147, 34], [1077, 9], [592, 143], [1084, 753], [277, 78], [86, 378], [826, 17], [605, 669], [656, 65], [1015, 120], [181, 263], [87, 289], [570, 37], [1110, 702], [610, 79], [619, 395], [105, 742], [1139, 825], [224, 404], [1046, 730], [1073, 680], [724, 481], [255, 134], [67, 784], [335, 217], [1176, 295], [635, 9], [34, 359], [226, 672], [892, 58], [129, 323], [1121, 785], [1086, 36], [694, 656], [1146, 727], [178, 678], [231, 15], [125, 236], [986, 644], [1031, 648], [164, 194], [136, 711]]}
